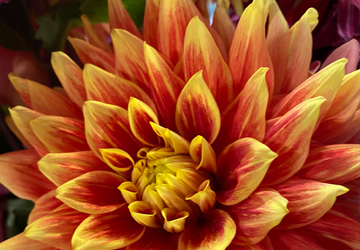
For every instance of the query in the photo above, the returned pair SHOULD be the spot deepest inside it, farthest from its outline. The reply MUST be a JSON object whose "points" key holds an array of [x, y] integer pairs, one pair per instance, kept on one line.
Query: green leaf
{"points": [[96, 10], [136, 10], [18, 212]]}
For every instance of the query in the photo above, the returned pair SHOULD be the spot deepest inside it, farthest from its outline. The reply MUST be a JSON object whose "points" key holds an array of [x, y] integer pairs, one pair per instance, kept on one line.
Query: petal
{"points": [[140, 116], [336, 225], [91, 54], [107, 231], [257, 215], [144, 214], [335, 164], [293, 240], [95, 38], [63, 167], [129, 56], [263, 245], [290, 137], [117, 159], [174, 220], [19, 241], [70, 76], [94, 192], [201, 53], [241, 167], [19, 173], [105, 87], [165, 85], [56, 228], [349, 51], [324, 83], [150, 240], [119, 18], [40, 95], [349, 132], [308, 200], [300, 50], [249, 118], [278, 42], [248, 51], [215, 230], [22, 117], [151, 17], [196, 111], [203, 154], [12, 126], [107, 126], [205, 197], [44, 205], [59, 134]]}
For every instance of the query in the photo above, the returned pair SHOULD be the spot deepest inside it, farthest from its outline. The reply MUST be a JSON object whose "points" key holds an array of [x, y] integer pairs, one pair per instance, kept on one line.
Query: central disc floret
{"points": [[167, 190]]}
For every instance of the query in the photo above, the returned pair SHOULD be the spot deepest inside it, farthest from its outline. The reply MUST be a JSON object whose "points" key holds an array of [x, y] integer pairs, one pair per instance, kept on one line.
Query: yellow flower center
{"points": [[167, 190]]}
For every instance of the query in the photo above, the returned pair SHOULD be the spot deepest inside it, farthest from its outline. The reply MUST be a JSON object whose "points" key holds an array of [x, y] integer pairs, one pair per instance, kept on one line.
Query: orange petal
{"points": [[22, 117], [19, 241], [94, 192], [12, 126], [40, 95], [196, 111], [203, 154], [262, 245], [93, 37], [129, 56], [308, 200], [324, 83], [349, 132], [150, 26], [91, 54], [44, 205], [336, 225], [248, 51], [165, 85], [300, 50], [19, 173], [59, 134], [290, 137], [107, 231], [201, 53], [257, 215], [117, 159], [56, 228], [150, 240], [105, 87], [249, 118], [278, 41], [241, 167], [107, 126], [70, 76], [293, 240], [63, 167], [119, 18], [332, 164], [215, 230]]}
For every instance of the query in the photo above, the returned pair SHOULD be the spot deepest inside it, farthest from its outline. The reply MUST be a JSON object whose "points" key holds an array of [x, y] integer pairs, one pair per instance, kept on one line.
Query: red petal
{"points": [[44, 205], [94, 192], [19, 241], [293, 240], [215, 230], [150, 26], [155, 239], [107, 231], [19, 173]]}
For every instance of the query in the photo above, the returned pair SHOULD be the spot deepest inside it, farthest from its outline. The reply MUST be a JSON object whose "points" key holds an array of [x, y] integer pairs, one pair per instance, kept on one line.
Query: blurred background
{"points": [[31, 29]]}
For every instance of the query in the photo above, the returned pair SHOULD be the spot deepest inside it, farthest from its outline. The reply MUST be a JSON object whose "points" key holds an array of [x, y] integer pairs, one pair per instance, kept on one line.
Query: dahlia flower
{"points": [[201, 137]]}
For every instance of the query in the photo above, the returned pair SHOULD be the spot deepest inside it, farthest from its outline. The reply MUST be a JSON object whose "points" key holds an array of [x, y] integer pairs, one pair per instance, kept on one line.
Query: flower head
{"points": [[201, 137]]}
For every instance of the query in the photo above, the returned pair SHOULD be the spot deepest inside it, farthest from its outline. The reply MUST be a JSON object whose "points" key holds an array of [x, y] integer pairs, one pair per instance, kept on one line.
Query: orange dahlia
{"points": [[201, 137]]}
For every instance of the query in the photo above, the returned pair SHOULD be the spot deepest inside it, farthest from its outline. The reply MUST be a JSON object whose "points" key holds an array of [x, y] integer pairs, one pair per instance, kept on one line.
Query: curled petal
{"points": [[19, 173], [70, 76], [290, 136], [107, 231], [335, 164], [215, 230], [174, 221], [60, 134], [293, 240], [140, 116], [56, 228], [107, 126], [119, 160], [91, 54], [308, 200], [94, 192], [248, 51], [105, 87], [203, 154], [196, 111], [257, 215], [129, 192], [63, 167], [144, 214], [205, 197], [119, 18], [241, 167], [201, 53]]}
